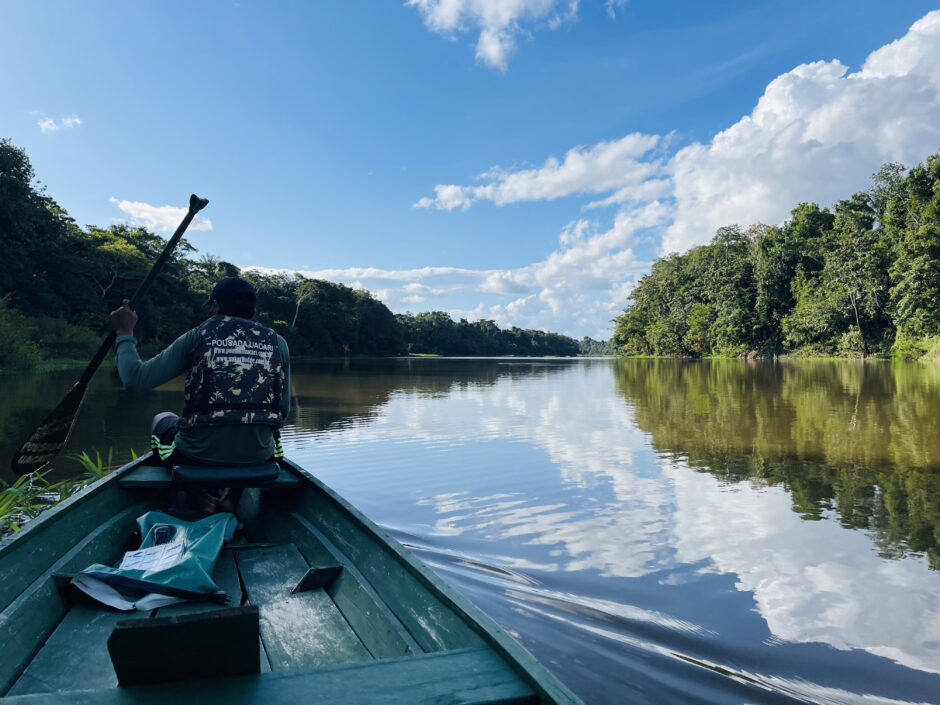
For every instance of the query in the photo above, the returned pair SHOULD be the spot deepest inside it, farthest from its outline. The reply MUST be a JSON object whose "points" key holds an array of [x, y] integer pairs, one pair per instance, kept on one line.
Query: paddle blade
{"points": [[196, 204], [49, 439]]}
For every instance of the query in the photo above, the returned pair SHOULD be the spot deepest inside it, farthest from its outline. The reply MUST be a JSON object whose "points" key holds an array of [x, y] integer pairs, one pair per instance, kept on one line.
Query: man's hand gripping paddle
{"points": [[48, 440]]}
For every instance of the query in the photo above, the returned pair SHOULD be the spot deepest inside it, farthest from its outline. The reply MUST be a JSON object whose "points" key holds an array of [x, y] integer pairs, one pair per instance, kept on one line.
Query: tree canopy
{"points": [[862, 277], [59, 282]]}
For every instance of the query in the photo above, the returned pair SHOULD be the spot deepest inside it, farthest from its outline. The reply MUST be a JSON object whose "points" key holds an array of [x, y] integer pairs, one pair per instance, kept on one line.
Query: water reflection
{"points": [[811, 581], [326, 395], [858, 440]]}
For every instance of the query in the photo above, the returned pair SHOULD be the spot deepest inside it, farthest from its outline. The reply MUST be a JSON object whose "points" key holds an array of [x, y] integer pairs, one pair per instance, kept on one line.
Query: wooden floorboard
{"points": [[375, 624], [270, 572], [465, 677], [75, 657], [302, 630]]}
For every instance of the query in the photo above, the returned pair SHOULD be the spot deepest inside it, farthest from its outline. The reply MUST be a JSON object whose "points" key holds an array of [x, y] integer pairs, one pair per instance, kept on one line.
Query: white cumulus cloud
{"points": [[815, 135], [48, 124], [160, 218], [601, 168], [567, 292], [497, 22]]}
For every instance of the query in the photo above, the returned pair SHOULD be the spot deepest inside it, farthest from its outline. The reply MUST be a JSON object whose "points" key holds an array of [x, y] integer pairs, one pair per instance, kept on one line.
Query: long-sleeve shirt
{"points": [[235, 444]]}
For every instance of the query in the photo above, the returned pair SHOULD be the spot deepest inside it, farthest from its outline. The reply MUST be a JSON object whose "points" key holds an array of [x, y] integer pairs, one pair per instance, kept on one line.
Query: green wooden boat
{"points": [[373, 625]]}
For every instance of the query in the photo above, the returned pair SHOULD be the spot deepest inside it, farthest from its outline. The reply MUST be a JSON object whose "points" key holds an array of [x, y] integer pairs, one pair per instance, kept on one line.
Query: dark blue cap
{"points": [[231, 290]]}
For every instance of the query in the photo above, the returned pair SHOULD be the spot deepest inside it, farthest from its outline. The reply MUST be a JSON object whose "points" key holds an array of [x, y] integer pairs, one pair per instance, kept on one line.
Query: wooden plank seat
{"points": [[266, 475], [463, 677], [182, 647]]}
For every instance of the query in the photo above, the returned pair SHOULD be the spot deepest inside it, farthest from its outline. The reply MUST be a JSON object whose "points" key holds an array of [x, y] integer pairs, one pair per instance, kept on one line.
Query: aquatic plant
{"points": [[97, 468], [33, 493]]}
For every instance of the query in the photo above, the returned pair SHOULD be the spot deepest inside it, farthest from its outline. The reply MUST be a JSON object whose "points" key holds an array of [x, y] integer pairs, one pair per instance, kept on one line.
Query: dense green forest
{"points": [[437, 333], [862, 278], [59, 281]]}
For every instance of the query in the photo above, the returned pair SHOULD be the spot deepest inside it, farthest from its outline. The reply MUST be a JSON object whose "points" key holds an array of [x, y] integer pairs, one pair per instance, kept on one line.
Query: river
{"points": [[655, 531]]}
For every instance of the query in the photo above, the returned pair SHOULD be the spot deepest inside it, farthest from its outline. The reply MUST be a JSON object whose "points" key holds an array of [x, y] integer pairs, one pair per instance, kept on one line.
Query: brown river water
{"points": [[655, 531]]}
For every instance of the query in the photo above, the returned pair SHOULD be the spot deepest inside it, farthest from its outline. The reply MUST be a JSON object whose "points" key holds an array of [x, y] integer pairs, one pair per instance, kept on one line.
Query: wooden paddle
{"points": [[53, 433]]}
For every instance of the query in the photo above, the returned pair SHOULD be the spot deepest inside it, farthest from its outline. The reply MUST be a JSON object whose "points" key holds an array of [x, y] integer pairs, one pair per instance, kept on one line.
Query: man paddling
{"points": [[237, 391]]}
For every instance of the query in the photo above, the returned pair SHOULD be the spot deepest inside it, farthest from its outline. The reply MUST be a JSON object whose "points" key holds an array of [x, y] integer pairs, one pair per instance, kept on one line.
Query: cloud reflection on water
{"points": [[558, 476]]}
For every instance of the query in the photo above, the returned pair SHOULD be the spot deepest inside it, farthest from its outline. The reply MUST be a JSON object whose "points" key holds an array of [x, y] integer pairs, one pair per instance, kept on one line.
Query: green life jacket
{"points": [[237, 376]]}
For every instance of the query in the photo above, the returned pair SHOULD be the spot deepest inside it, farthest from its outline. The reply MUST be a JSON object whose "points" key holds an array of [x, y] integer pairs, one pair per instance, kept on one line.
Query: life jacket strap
{"points": [[163, 450]]}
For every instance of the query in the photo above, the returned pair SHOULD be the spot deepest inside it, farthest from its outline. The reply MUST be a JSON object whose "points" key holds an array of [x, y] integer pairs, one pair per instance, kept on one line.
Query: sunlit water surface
{"points": [[653, 531]]}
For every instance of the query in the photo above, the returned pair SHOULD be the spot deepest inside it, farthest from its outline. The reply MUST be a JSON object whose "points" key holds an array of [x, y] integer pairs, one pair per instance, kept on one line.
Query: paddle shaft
{"points": [[53, 433], [196, 204]]}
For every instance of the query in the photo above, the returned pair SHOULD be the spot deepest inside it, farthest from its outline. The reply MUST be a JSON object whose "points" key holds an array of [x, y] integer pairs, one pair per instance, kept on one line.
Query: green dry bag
{"points": [[174, 563]]}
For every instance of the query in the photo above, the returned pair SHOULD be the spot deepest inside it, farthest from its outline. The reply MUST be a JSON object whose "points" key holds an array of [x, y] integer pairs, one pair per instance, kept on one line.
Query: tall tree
{"points": [[856, 267], [913, 219]]}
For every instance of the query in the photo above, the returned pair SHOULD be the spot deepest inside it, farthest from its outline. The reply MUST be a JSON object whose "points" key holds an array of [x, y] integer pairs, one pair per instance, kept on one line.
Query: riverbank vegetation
{"points": [[33, 493], [859, 279], [59, 281]]}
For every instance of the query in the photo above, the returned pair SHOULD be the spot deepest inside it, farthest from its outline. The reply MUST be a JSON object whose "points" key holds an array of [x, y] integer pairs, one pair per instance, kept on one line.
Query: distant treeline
{"points": [[859, 279], [589, 346], [58, 282], [437, 333]]}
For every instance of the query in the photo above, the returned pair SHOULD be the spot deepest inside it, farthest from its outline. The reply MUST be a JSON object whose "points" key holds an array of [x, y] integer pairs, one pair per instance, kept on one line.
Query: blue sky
{"points": [[520, 160]]}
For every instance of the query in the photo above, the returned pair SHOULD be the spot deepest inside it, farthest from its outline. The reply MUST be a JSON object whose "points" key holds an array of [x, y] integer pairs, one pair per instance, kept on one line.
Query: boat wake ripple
{"points": [[608, 650]]}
